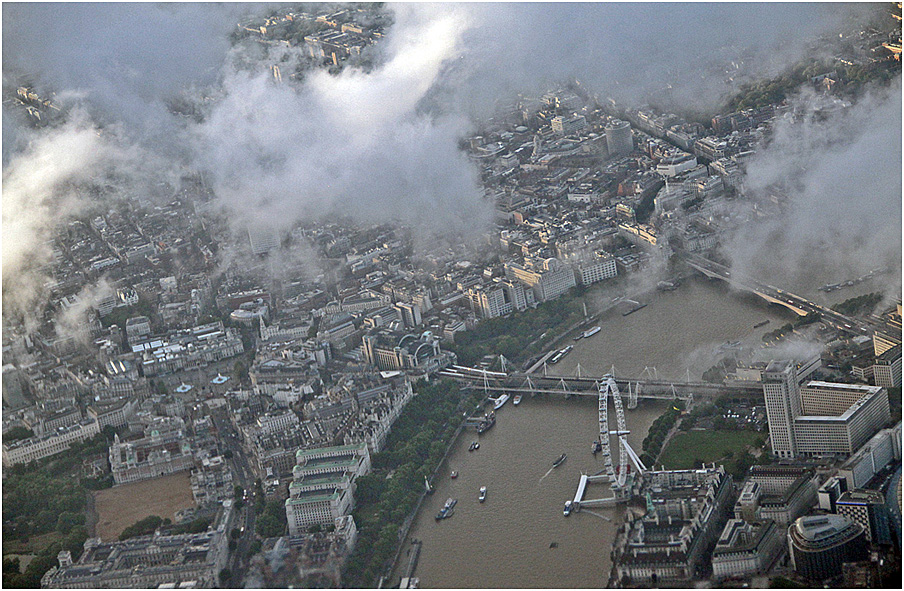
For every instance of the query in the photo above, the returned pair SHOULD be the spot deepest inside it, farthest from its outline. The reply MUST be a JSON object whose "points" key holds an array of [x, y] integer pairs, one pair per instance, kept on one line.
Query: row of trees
{"points": [[865, 304], [778, 333], [386, 497], [149, 525], [195, 526], [789, 327], [652, 443], [507, 336], [143, 527]]}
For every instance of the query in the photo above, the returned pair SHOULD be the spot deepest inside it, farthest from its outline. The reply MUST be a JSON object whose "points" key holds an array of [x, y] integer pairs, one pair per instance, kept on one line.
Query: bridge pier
{"points": [[632, 395], [579, 501]]}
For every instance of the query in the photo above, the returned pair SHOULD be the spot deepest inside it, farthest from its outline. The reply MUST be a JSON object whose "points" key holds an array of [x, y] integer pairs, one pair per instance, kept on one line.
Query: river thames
{"points": [[505, 542]]}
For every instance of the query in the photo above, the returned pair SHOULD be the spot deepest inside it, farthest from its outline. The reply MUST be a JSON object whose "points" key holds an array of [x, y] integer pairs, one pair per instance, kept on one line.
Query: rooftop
{"points": [[820, 528], [312, 496], [837, 386], [847, 414], [780, 366], [859, 496]]}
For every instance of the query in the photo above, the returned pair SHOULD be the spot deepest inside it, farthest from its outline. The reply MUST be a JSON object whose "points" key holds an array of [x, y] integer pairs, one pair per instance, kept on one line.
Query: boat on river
{"points": [[447, 510], [666, 286], [501, 401], [634, 309], [517, 399], [559, 461], [487, 422], [483, 494], [589, 333], [560, 354]]}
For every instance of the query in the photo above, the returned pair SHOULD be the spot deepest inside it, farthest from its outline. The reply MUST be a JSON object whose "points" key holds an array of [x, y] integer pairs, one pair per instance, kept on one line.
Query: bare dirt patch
{"points": [[121, 506]]}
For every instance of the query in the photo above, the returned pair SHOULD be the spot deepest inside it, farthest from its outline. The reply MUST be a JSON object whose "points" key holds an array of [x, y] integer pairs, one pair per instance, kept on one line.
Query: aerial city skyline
{"points": [[486, 295]]}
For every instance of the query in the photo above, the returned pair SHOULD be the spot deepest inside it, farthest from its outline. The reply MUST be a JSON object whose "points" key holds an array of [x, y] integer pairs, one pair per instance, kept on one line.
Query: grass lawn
{"points": [[687, 450]]}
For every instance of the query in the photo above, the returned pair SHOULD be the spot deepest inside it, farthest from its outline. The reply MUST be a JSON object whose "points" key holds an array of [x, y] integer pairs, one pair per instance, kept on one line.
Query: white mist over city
{"points": [[451, 295]]}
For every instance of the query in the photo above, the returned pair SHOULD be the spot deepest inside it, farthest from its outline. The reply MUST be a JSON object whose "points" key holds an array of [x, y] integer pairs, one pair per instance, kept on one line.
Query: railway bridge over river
{"points": [[650, 387]]}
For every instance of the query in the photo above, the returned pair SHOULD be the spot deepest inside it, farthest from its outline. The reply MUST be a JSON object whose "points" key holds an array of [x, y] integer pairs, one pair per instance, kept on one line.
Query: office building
{"points": [[597, 268], [675, 165], [877, 453], [728, 169], [548, 278], [410, 314], [712, 148], [48, 444], [316, 507], [779, 493], [842, 434], [746, 549], [137, 327], [782, 395], [888, 336], [619, 139], [263, 240], [568, 125], [187, 349], [887, 368], [277, 422], [819, 545], [322, 489], [867, 507], [829, 493], [211, 481], [830, 398], [50, 415], [883, 340], [822, 418], [500, 298], [353, 458], [115, 412]]}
